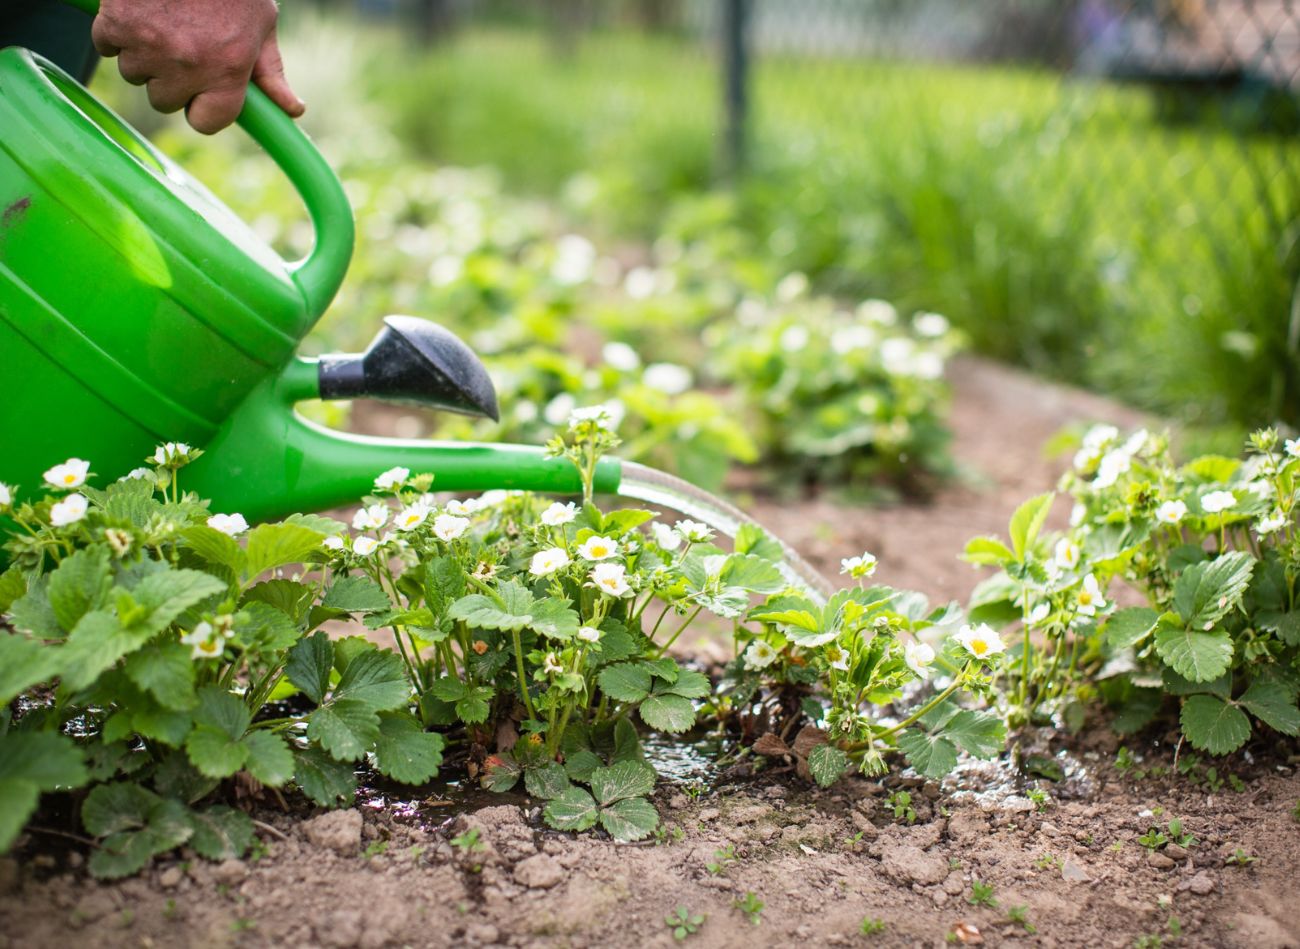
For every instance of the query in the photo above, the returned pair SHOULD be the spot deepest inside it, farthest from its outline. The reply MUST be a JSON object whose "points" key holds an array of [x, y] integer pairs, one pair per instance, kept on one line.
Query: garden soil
{"points": [[390, 873]]}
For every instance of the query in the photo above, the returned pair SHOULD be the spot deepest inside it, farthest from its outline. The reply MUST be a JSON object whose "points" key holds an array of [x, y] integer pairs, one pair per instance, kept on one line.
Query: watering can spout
{"points": [[268, 461]]}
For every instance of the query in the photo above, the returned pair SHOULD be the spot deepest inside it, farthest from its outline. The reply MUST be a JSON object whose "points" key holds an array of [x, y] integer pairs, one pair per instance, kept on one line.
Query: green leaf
{"points": [[375, 678], [618, 523], [553, 618], [317, 522], [1128, 627], [752, 539], [223, 711], [289, 597], [514, 612], [475, 706], [580, 764], [449, 689], [276, 545], [987, 551], [1206, 591], [264, 629], [981, 734], [346, 728], [932, 757], [691, 685], [356, 594], [31, 612], [328, 782], [166, 671], [666, 712], [572, 810], [80, 584], [547, 782], [18, 800], [214, 546], [166, 825], [23, 664], [405, 752], [13, 584], [500, 773], [309, 665], [753, 574], [1214, 725], [113, 808], [1273, 704], [827, 764], [33, 762], [94, 646], [1198, 656], [221, 832], [169, 593], [214, 753], [270, 759], [625, 682], [622, 780], [629, 820], [1027, 521]]}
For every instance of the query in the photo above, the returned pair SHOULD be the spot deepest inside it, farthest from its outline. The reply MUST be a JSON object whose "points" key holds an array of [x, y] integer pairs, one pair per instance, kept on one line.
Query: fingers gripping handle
{"points": [[319, 274]]}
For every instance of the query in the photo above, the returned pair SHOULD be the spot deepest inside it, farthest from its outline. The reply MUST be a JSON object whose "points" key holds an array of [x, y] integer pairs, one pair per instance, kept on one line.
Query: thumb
{"points": [[268, 75]]}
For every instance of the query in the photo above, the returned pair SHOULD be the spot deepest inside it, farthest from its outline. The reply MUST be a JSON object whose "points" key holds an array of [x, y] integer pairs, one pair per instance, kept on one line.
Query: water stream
{"points": [[657, 487]]}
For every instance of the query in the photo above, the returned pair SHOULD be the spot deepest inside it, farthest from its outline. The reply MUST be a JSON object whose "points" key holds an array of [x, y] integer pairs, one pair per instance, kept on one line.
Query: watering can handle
{"points": [[319, 274]]}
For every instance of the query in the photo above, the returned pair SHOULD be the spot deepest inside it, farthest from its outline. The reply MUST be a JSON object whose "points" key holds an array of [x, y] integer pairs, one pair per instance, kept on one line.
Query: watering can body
{"points": [[135, 308]]}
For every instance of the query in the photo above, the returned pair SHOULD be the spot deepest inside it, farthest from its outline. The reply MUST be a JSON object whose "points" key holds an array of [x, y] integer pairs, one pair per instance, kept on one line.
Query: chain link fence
{"points": [[1106, 190]]}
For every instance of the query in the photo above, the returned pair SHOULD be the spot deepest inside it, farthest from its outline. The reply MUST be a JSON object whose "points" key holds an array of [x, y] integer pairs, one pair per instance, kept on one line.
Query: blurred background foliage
{"points": [[1105, 192]]}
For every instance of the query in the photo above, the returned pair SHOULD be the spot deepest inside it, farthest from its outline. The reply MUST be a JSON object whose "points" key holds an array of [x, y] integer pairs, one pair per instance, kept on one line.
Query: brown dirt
{"points": [[387, 873]]}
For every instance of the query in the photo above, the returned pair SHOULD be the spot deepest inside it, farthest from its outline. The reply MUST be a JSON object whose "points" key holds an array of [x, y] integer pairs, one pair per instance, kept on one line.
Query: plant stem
{"points": [[519, 670], [672, 639], [923, 710]]}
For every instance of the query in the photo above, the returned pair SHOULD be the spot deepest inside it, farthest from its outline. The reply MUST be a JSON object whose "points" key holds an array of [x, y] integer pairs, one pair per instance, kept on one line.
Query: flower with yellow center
{"points": [[597, 548], [1171, 512], [232, 525], [365, 546], [980, 641], [1067, 553], [759, 655], [547, 562], [71, 474], [918, 657], [370, 518], [409, 518], [610, 579], [1090, 600], [68, 511], [392, 479], [447, 527], [589, 634]]}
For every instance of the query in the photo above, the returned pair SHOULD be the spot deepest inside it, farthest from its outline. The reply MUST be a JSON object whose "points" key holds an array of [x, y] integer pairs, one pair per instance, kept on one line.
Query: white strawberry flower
{"points": [[918, 657], [1089, 599], [409, 518], [208, 649], [668, 378], [333, 543], [610, 579], [71, 474], [461, 508], [596, 415], [6, 495], [980, 641], [1067, 553], [1077, 514], [68, 511], [1268, 525], [1113, 464], [230, 524], [1171, 512], [1218, 501], [1039, 613], [693, 531], [665, 536], [759, 655], [370, 518], [589, 634], [597, 548], [136, 474], [392, 479], [838, 658], [365, 546], [447, 527], [859, 567], [559, 514], [547, 562], [551, 665], [1293, 447], [172, 454], [930, 324], [489, 499]]}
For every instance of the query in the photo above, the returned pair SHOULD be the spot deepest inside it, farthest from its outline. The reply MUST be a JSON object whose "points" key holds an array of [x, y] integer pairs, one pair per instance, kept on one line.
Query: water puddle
{"points": [[1002, 784]]}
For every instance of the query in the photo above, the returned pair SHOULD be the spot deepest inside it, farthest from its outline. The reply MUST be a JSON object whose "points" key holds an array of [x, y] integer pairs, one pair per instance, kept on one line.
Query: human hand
{"points": [[197, 55]]}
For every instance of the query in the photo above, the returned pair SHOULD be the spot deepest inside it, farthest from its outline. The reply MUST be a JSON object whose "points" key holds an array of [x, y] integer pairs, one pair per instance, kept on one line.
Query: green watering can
{"points": [[136, 309]]}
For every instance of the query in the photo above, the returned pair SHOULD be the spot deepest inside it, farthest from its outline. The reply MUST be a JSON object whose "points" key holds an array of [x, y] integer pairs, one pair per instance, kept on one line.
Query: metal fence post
{"points": [[735, 65]]}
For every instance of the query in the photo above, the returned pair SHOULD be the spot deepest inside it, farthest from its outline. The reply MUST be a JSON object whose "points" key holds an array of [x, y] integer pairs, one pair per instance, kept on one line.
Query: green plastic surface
{"points": [[135, 308]]}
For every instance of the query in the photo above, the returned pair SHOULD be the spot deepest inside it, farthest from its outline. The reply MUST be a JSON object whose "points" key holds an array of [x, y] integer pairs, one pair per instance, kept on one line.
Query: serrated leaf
{"points": [[580, 764], [270, 759], [621, 780], [94, 646], [572, 810], [1128, 627], [448, 689], [23, 664], [223, 711], [214, 753], [13, 584], [1027, 521], [317, 522], [627, 743], [1273, 704], [31, 612], [18, 800], [346, 728], [277, 545], [630, 819], [405, 752], [309, 664], [375, 678], [166, 826], [263, 628], [46, 760], [753, 574], [501, 773], [328, 782], [473, 709], [79, 584], [981, 734], [929, 756], [221, 832], [167, 594], [115, 807], [987, 551], [356, 594], [214, 546], [752, 539], [1197, 656], [547, 782], [667, 713], [1206, 591], [291, 598], [625, 682], [166, 671], [691, 685], [827, 764], [1213, 725], [554, 619]]}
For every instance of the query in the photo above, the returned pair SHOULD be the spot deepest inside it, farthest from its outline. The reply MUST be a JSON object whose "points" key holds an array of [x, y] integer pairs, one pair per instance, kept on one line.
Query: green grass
{"points": [[1058, 222]]}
